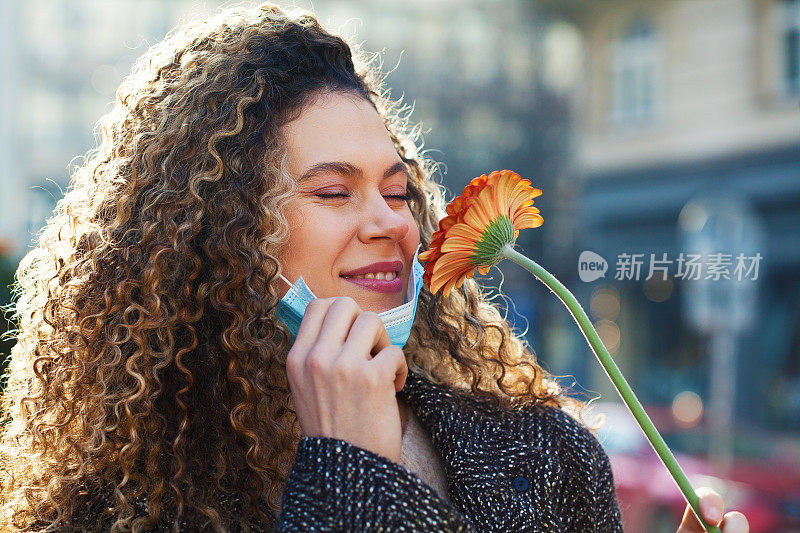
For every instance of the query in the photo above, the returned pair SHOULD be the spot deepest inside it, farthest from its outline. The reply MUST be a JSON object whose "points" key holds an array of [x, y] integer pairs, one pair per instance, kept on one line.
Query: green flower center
{"points": [[495, 236]]}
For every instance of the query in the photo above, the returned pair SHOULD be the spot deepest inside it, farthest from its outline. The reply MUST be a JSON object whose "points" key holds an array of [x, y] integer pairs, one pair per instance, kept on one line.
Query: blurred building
{"points": [[678, 100], [61, 62]]}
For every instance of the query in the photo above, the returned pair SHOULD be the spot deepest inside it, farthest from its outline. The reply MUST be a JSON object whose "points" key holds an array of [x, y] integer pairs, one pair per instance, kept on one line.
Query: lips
{"points": [[382, 266], [389, 270], [378, 285]]}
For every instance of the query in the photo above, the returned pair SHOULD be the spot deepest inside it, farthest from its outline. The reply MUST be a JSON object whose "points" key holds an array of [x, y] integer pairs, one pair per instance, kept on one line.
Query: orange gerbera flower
{"points": [[487, 216]]}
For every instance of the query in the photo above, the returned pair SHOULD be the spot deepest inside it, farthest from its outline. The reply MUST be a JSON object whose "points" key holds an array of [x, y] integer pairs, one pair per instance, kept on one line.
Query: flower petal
{"points": [[453, 243], [472, 228], [455, 283], [527, 220], [478, 216], [455, 263], [464, 231], [444, 281]]}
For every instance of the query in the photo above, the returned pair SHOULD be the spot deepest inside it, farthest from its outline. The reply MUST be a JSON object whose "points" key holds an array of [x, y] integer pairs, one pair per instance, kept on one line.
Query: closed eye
{"points": [[404, 197]]}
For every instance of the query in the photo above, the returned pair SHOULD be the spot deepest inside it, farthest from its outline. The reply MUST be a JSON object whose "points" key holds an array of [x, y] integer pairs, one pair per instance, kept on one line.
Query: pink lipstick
{"points": [[382, 277], [378, 285]]}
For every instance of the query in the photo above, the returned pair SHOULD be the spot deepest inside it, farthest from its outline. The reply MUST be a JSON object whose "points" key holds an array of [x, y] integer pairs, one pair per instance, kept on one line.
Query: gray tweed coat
{"points": [[534, 469]]}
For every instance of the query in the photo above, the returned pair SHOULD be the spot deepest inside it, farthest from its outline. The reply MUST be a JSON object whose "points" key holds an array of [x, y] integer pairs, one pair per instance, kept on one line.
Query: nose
{"points": [[381, 221]]}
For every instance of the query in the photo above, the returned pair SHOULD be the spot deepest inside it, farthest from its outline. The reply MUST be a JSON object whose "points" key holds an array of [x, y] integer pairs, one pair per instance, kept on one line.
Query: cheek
{"points": [[300, 239], [297, 215], [316, 232], [304, 219]]}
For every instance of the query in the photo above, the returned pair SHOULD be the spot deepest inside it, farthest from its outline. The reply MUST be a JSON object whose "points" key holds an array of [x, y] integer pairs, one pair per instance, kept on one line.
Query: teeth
{"points": [[386, 276]]}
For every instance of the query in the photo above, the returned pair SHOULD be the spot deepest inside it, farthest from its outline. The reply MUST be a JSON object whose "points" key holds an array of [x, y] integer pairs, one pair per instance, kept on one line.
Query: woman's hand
{"points": [[344, 373], [712, 506]]}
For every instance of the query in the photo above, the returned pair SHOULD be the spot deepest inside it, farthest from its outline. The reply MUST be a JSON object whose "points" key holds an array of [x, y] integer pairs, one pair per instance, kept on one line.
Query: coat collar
{"points": [[485, 447], [446, 412]]}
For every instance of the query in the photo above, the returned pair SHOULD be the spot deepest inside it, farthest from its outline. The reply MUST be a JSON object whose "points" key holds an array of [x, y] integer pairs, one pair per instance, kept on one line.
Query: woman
{"points": [[173, 371]]}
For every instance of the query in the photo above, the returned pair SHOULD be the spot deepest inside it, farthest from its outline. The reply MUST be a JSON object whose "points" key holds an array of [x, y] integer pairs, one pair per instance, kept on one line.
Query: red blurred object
{"points": [[6, 247], [765, 490]]}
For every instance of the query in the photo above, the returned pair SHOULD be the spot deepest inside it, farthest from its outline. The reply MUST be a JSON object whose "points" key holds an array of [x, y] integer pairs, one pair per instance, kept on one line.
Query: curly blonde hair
{"points": [[149, 362]]}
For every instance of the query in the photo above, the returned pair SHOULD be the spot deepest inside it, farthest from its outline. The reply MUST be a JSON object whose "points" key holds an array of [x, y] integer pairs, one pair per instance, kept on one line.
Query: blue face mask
{"points": [[398, 321]]}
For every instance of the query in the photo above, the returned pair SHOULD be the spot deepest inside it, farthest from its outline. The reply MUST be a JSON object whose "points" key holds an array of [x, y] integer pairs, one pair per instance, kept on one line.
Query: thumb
{"points": [[711, 506]]}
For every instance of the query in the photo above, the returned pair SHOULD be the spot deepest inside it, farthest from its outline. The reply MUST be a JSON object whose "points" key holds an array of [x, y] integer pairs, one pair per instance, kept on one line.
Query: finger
{"points": [[311, 324], [690, 524], [338, 321], [392, 360], [735, 522], [367, 337], [709, 502]]}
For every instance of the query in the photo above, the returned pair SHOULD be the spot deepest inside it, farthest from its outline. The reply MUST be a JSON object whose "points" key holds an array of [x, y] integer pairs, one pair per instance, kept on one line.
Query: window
{"points": [[636, 75], [790, 46]]}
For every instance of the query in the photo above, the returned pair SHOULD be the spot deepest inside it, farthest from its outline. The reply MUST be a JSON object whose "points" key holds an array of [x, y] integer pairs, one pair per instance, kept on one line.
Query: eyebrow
{"points": [[347, 169]]}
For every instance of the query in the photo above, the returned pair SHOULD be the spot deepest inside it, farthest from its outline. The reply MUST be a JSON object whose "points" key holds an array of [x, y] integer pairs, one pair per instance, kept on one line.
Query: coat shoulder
{"points": [[447, 410], [561, 428]]}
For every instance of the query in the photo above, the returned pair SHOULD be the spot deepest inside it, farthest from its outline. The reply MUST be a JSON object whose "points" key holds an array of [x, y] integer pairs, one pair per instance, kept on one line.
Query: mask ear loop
{"points": [[289, 283], [293, 286]]}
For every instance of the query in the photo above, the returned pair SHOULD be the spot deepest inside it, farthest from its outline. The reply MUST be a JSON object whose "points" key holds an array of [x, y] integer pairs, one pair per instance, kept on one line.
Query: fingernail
{"points": [[714, 513]]}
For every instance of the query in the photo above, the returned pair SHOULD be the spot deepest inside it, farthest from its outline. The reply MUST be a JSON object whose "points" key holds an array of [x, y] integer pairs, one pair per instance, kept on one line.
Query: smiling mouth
{"points": [[384, 276], [382, 282]]}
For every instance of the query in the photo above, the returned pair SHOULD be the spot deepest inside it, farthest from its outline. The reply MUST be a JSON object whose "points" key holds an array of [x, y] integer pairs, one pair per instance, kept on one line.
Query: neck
{"points": [[405, 413]]}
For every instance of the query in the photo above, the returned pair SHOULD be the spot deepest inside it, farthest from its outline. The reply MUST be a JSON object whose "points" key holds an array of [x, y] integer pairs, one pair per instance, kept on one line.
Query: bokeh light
{"points": [[687, 409], [657, 289], [605, 303]]}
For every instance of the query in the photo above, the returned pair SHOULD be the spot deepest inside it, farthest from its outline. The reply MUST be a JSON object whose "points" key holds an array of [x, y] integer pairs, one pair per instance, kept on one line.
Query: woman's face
{"points": [[349, 225]]}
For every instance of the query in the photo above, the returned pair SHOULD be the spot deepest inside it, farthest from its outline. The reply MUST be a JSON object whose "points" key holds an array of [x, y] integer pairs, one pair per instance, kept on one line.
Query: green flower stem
{"points": [[624, 390]]}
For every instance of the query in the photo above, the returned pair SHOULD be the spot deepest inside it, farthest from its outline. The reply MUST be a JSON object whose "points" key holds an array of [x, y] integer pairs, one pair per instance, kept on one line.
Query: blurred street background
{"points": [[665, 136]]}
